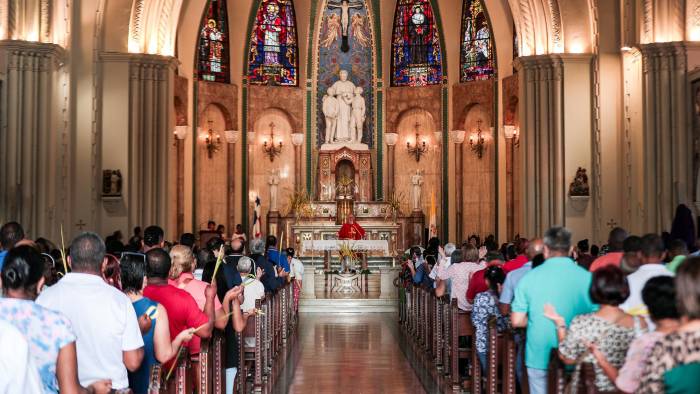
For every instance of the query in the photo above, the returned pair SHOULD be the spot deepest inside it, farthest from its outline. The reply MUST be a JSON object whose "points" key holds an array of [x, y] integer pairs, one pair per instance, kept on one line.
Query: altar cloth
{"points": [[333, 245]]}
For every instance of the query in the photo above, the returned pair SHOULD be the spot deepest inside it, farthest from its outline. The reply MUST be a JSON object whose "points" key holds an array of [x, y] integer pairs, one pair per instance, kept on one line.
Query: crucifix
{"points": [[80, 224], [611, 223], [345, 6]]}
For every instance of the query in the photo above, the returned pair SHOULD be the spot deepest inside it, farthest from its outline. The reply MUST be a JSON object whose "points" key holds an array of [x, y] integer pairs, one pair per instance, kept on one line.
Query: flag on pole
{"points": [[257, 219], [433, 217]]}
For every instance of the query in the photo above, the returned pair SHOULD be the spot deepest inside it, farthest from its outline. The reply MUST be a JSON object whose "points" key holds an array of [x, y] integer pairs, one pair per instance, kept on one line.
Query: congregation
{"points": [[98, 316], [99, 319], [631, 309]]}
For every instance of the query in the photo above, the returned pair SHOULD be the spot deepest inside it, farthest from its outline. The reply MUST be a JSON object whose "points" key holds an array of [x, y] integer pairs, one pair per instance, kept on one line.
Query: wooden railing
{"points": [[434, 326], [272, 329]]}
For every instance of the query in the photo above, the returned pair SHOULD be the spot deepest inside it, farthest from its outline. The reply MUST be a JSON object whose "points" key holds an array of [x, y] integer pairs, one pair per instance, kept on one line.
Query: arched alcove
{"points": [[408, 123], [260, 166]]}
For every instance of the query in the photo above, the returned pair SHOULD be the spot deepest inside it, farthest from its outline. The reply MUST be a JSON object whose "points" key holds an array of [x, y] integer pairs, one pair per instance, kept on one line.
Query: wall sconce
{"points": [[269, 148], [232, 136], [476, 141], [297, 139], [512, 133], [458, 136], [180, 133], [391, 138], [212, 140], [418, 149]]}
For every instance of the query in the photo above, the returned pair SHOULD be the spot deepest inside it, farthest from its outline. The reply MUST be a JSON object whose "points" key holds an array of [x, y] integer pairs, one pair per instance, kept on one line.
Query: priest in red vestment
{"points": [[351, 230]]}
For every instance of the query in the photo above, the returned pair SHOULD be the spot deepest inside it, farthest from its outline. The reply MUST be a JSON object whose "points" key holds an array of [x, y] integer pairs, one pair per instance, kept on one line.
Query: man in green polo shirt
{"points": [[560, 282]]}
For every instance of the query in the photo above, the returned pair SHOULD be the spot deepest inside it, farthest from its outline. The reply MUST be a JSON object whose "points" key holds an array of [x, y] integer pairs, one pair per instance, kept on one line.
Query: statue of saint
{"points": [[273, 181], [330, 111], [345, 93], [344, 110], [358, 115], [417, 182]]}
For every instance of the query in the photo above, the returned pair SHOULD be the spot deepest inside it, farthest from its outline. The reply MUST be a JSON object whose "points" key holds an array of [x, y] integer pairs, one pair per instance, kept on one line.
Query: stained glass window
{"points": [[213, 63], [273, 45], [416, 58], [477, 47]]}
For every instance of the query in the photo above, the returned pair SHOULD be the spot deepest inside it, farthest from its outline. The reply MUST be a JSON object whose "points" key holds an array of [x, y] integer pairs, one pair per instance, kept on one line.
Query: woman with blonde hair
{"points": [[181, 275]]}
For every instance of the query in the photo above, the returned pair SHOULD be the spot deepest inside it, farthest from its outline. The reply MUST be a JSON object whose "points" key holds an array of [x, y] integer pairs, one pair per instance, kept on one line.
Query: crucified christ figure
{"points": [[345, 6]]}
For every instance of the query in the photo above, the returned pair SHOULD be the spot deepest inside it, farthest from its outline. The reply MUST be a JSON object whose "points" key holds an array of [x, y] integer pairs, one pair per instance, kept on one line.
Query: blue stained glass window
{"points": [[273, 45], [213, 51], [476, 54], [416, 58]]}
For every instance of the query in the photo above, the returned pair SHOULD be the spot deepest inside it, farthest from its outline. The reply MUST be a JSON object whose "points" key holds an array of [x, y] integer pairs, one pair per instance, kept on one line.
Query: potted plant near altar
{"points": [[394, 206]]}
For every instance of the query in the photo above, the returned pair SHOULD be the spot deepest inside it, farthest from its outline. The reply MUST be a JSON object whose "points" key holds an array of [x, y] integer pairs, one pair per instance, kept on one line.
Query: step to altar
{"points": [[354, 305]]}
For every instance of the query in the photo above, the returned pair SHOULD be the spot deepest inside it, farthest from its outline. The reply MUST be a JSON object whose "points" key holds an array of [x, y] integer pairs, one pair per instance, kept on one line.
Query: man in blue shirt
{"points": [[274, 256], [560, 282], [534, 248], [10, 234]]}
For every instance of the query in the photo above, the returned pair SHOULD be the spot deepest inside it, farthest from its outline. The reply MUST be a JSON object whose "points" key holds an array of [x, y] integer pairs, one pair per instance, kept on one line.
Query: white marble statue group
{"points": [[344, 110]]}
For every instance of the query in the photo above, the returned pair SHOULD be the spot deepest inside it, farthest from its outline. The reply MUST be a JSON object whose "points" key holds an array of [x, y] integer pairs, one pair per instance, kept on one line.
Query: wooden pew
{"points": [[461, 325], [218, 371], [181, 380], [241, 384], [155, 381], [556, 374], [446, 335], [438, 333], [210, 368], [508, 361], [500, 377], [256, 353], [203, 367]]}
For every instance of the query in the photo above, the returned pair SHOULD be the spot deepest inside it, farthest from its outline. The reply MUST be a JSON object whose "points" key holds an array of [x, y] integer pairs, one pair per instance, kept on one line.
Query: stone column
{"points": [[297, 141], [180, 135], [391, 139], [556, 134], [232, 137], [667, 174], [145, 124], [458, 139], [35, 143]]}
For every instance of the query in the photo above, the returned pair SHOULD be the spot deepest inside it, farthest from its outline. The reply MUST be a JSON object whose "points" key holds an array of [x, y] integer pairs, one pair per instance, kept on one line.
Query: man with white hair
{"points": [[253, 288], [444, 255]]}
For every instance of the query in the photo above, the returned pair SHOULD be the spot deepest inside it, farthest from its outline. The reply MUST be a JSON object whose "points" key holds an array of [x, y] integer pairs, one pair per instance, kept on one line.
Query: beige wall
{"points": [[98, 113]]}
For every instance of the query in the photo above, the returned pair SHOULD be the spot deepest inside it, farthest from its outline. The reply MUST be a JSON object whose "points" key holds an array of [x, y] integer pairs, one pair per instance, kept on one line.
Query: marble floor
{"points": [[350, 353]]}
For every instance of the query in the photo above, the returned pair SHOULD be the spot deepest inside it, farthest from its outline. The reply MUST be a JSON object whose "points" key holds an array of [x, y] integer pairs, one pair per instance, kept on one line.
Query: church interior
{"points": [[350, 131], [505, 102]]}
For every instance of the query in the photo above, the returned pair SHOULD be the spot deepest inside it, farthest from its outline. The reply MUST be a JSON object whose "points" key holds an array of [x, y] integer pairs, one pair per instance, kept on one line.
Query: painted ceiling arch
{"points": [[544, 26]]}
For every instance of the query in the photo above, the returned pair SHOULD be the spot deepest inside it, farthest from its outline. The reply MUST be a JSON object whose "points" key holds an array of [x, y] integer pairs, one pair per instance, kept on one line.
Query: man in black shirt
{"points": [[269, 279]]}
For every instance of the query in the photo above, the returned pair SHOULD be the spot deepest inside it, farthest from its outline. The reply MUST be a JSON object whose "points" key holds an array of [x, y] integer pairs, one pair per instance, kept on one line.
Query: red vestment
{"points": [[351, 231]]}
